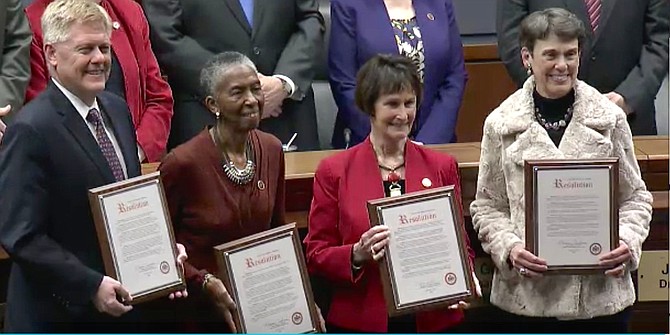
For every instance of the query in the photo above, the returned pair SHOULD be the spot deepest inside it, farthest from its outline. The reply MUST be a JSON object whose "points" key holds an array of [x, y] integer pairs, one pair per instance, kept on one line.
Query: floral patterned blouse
{"points": [[408, 37]]}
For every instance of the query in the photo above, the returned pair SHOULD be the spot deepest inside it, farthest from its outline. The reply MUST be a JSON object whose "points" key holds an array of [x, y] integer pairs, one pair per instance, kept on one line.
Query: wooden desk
{"points": [[651, 152]]}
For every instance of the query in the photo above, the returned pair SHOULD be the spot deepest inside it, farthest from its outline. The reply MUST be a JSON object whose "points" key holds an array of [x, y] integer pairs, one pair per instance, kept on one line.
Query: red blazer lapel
{"points": [[121, 44], [417, 170], [367, 174]]}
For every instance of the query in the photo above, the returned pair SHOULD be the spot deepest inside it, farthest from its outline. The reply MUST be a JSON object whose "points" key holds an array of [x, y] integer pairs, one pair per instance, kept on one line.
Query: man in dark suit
{"points": [[71, 138], [14, 59], [282, 38], [624, 56]]}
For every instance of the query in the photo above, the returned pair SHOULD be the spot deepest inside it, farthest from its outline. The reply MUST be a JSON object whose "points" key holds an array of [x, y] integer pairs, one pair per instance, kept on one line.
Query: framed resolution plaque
{"points": [[136, 239], [266, 276], [572, 214], [426, 263]]}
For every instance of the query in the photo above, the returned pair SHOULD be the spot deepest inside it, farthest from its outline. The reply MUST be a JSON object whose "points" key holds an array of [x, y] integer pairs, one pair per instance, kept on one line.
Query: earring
{"points": [[529, 70], [217, 115]]}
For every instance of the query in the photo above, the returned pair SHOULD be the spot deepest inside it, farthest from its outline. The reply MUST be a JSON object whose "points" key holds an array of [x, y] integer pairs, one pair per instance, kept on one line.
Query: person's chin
{"points": [[250, 124], [398, 135], [95, 86], [560, 92]]}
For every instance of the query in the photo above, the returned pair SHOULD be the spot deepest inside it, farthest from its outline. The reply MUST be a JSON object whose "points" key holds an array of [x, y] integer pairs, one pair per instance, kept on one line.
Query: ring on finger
{"points": [[372, 250], [523, 271], [623, 266]]}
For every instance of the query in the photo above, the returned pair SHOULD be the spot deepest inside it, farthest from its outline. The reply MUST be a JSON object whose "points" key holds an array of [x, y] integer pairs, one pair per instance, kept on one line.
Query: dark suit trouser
{"points": [[644, 123]]}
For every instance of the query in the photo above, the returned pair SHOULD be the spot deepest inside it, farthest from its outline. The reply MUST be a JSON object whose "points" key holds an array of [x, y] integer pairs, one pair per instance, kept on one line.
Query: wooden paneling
{"points": [[480, 52], [488, 85]]}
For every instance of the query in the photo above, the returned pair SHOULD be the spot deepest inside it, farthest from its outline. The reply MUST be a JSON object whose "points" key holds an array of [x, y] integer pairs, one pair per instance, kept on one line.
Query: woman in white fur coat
{"points": [[555, 116]]}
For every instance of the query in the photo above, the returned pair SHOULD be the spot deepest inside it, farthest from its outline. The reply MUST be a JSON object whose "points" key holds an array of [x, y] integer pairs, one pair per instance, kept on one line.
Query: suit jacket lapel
{"points": [[583, 138], [380, 22], [74, 123], [587, 135], [578, 7], [605, 11], [416, 170], [128, 149], [369, 175], [124, 52], [238, 12], [259, 10]]}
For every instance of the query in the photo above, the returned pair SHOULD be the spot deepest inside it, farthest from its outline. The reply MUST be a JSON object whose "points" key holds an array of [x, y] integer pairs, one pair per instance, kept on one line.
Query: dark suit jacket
{"points": [[628, 54], [285, 39], [343, 184], [48, 161], [14, 54], [361, 30]]}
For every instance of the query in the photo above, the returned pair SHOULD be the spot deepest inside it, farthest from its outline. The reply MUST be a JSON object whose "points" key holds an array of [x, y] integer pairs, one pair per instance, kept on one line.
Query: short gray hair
{"points": [[557, 21], [214, 71], [61, 15]]}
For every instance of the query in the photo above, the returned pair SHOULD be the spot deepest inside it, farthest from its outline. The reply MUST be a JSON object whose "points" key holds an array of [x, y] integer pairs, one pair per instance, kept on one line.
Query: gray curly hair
{"points": [[212, 74]]}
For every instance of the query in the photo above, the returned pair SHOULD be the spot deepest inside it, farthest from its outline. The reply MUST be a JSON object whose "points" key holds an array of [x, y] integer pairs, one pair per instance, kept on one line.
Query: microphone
{"points": [[347, 138]]}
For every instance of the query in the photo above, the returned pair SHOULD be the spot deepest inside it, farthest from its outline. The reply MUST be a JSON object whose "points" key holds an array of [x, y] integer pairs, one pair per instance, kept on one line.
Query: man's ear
{"points": [[50, 54]]}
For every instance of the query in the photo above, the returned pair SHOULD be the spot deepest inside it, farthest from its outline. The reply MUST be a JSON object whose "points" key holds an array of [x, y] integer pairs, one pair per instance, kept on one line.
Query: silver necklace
{"points": [[235, 174]]}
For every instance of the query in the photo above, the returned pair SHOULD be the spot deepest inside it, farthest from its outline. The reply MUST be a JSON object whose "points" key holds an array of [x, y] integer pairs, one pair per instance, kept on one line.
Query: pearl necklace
{"points": [[553, 125]]}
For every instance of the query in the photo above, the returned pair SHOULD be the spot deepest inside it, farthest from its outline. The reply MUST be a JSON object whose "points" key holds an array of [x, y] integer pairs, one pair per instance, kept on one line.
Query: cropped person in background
{"points": [[282, 38], [224, 184], [424, 31], [556, 116], [135, 76], [624, 54], [14, 66], [341, 246]]}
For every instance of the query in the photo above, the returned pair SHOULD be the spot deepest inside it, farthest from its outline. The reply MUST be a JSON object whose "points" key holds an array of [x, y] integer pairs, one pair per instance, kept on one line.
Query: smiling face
{"points": [[555, 64], [82, 62], [239, 100], [394, 115]]}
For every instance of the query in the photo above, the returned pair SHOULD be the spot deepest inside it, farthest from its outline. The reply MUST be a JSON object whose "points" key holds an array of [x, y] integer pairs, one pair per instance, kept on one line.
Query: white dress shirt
{"points": [[83, 110]]}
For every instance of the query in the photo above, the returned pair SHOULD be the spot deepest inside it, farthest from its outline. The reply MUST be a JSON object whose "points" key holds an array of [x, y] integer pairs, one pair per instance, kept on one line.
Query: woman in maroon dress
{"points": [[224, 184]]}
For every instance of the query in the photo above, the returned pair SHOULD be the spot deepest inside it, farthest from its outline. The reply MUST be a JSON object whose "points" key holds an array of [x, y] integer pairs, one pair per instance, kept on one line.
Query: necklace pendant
{"points": [[395, 190], [393, 177]]}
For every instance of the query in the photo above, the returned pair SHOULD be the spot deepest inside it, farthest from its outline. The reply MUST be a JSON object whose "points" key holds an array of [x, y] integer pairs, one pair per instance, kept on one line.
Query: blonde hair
{"points": [[61, 15]]}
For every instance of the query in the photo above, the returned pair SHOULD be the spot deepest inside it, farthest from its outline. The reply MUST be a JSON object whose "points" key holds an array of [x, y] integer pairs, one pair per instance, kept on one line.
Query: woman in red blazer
{"points": [[137, 79], [341, 246]]}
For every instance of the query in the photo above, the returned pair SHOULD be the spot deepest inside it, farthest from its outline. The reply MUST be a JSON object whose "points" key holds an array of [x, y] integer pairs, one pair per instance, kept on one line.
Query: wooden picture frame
{"points": [[277, 254], [576, 193], [436, 211], [137, 243]]}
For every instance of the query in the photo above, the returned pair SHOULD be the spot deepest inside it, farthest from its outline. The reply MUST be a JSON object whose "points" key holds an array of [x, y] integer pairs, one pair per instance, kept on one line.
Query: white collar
{"points": [[81, 107]]}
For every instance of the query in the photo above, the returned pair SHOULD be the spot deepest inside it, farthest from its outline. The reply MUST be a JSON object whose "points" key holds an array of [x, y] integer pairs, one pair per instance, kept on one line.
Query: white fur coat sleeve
{"points": [[634, 199], [490, 209]]}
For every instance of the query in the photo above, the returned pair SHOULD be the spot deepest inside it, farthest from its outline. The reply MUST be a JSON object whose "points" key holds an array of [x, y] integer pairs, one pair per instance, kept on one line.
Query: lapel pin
{"points": [[430, 16], [116, 25], [426, 183], [261, 185]]}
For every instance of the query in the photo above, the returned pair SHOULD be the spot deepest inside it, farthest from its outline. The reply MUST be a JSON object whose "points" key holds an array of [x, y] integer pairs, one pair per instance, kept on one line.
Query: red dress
{"points": [[207, 209]]}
